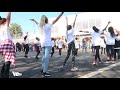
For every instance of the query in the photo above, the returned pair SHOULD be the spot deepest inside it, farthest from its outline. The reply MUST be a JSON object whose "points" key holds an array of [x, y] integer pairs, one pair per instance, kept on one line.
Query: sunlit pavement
{"points": [[30, 68]]}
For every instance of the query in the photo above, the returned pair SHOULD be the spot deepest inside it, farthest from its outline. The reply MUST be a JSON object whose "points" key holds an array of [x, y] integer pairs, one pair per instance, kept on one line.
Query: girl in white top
{"points": [[7, 47], [26, 40], [96, 41], [110, 42], [45, 39], [71, 44], [59, 45]]}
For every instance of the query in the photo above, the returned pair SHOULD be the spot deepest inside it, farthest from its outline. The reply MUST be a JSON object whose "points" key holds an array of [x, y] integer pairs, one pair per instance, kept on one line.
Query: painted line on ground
{"points": [[98, 71]]}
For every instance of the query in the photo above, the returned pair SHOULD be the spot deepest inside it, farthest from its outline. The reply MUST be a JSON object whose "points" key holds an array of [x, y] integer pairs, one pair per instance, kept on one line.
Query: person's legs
{"points": [[46, 58], [112, 52], [115, 51], [27, 50], [108, 52], [2, 71], [97, 52], [7, 69], [118, 53], [52, 51], [73, 54], [68, 53], [101, 50]]}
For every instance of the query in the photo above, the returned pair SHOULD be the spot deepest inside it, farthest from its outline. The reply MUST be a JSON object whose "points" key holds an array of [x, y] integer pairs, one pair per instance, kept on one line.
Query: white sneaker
{"points": [[16, 73], [74, 69]]}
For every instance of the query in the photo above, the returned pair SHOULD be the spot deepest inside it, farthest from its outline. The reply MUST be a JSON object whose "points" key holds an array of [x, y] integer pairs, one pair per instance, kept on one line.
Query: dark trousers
{"points": [[110, 50], [118, 52], [60, 49], [26, 49], [5, 70], [71, 46], [97, 55], [103, 50], [52, 51], [76, 51]]}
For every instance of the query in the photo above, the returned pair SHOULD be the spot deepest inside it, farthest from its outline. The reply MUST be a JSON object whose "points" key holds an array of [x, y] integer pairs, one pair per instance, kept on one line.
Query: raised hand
{"points": [[32, 19], [109, 22]]}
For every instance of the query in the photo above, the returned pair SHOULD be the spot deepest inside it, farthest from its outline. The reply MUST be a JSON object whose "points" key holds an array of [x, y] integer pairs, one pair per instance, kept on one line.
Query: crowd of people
{"points": [[109, 44]]}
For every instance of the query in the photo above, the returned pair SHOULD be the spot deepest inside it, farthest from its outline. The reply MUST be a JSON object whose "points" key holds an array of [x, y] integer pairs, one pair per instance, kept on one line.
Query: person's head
{"points": [[26, 33], [95, 29], [43, 21], [2, 20], [37, 39], [69, 27], [111, 30], [76, 38], [52, 38]]}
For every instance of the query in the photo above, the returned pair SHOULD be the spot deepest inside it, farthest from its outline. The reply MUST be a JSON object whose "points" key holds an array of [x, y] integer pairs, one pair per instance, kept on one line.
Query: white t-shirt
{"points": [[45, 35], [53, 43], [102, 43], [95, 38], [27, 40], [4, 33], [37, 42], [109, 39], [76, 44], [70, 35], [59, 43]]}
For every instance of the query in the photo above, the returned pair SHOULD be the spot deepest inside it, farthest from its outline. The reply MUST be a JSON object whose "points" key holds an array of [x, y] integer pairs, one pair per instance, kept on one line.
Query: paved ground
{"points": [[30, 68]]}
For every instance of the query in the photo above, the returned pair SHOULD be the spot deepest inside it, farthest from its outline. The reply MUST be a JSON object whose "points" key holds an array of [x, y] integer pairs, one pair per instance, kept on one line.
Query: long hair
{"points": [[95, 29], [111, 31], [42, 21]]}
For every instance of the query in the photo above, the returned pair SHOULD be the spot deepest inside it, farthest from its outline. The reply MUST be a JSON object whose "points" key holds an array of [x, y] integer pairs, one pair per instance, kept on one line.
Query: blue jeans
{"points": [[45, 58]]}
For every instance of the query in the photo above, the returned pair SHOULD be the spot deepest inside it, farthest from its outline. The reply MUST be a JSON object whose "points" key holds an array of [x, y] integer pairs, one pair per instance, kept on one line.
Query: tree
{"points": [[16, 30]]}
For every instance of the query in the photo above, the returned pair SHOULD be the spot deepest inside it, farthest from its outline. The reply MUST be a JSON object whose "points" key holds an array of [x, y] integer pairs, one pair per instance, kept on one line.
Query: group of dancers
{"points": [[7, 47]]}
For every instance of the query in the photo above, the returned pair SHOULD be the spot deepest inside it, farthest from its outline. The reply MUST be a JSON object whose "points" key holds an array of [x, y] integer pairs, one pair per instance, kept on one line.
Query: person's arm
{"points": [[34, 21], [106, 26], [84, 31], [8, 18], [74, 21], [57, 18]]}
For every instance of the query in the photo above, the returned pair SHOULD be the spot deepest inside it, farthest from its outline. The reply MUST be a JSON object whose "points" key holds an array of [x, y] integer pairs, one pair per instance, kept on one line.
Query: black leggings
{"points": [[118, 52], [52, 51], [97, 53], [103, 50], [71, 46], [5, 70], [76, 51], [26, 49]]}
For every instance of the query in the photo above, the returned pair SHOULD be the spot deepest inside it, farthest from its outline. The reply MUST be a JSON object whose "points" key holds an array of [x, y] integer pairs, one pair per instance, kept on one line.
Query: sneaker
{"points": [[113, 61], [74, 69], [94, 63], [46, 74]]}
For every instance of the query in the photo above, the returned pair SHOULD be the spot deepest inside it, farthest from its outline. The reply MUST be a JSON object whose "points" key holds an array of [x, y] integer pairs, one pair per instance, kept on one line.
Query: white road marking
{"points": [[98, 71]]}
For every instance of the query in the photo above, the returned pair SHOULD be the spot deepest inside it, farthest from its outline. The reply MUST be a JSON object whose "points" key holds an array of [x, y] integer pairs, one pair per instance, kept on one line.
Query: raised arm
{"points": [[84, 31], [66, 21], [106, 26], [34, 21], [8, 18], [57, 18], [74, 21]]}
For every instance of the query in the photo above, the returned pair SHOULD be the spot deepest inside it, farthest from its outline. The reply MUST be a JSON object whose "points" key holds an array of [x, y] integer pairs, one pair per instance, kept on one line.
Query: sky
{"points": [[22, 18]]}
